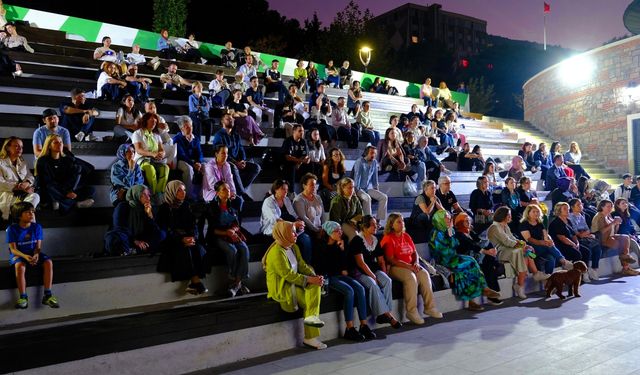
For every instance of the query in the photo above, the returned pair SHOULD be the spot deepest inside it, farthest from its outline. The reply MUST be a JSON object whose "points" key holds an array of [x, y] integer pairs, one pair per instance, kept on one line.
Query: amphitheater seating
{"points": [[129, 304]]}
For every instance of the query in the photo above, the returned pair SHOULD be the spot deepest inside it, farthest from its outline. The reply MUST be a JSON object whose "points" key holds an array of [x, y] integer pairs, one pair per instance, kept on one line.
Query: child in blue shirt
{"points": [[25, 242]]}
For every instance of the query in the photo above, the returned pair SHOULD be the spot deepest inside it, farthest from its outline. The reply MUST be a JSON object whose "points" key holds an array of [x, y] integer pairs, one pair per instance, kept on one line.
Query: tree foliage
{"points": [[482, 96], [170, 15]]}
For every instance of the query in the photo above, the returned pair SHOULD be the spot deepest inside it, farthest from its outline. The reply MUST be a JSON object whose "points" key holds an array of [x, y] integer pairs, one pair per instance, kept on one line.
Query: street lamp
{"points": [[365, 57]]}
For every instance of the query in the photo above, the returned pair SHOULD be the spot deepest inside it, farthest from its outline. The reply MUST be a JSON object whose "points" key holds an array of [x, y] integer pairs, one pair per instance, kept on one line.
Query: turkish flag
{"points": [[547, 8]]}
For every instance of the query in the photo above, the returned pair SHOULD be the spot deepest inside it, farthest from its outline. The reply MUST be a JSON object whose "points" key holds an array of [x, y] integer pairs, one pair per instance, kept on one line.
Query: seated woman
{"points": [[495, 186], [541, 155], [246, 127], [150, 155], [14, 41], [566, 239], [309, 207], [390, 153], [127, 118], [354, 98], [469, 244], [17, 184], [425, 205], [400, 252], [468, 280], [224, 233], [331, 260], [565, 191], [606, 228], [527, 195], [164, 46], [188, 50], [444, 96], [125, 173], [109, 85], [585, 237], [333, 171], [517, 168], [199, 107], [300, 76], [292, 283], [59, 178], [481, 205], [468, 161], [375, 85], [511, 199], [452, 129], [366, 125], [333, 74], [346, 208], [534, 233], [621, 210], [219, 169], [527, 156], [572, 159], [512, 251], [277, 207], [135, 219], [312, 76], [387, 89], [316, 152], [439, 128], [182, 254], [370, 268]]}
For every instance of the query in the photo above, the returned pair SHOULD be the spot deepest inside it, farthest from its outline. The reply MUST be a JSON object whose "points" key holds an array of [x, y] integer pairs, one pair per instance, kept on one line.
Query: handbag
{"points": [[483, 219], [409, 187], [238, 237]]}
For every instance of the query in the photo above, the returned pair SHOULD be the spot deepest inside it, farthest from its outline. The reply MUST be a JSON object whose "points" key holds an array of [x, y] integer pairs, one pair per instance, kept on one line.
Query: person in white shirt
{"points": [[105, 53], [136, 58], [219, 90], [248, 70], [109, 86], [426, 93], [345, 131]]}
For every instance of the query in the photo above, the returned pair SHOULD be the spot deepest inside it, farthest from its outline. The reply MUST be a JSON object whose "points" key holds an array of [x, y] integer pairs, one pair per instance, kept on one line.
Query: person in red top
{"points": [[400, 253]]}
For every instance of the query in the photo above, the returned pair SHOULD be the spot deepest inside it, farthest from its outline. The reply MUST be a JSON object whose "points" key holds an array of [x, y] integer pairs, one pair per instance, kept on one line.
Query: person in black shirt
{"points": [[565, 236], [273, 80], [345, 74], [533, 232], [78, 117], [367, 265], [296, 155], [481, 205], [448, 198]]}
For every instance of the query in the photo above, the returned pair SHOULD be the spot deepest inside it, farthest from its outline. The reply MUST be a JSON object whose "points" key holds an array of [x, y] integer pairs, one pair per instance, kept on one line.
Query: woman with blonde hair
{"points": [[16, 181], [400, 252], [606, 228], [58, 177], [444, 95], [572, 159], [346, 208]]}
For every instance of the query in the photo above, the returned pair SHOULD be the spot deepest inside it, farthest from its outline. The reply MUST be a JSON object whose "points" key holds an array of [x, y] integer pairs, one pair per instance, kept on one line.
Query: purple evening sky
{"points": [[578, 24]]}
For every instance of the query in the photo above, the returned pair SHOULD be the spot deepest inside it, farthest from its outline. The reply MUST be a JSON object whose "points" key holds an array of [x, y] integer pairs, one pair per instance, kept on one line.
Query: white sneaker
{"points": [[55, 206], [156, 65], [519, 291], [203, 60], [593, 274], [314, 343], [313, 321], [585, 277], [80, 136], [85, 203], [91, 137], [540, 276]]}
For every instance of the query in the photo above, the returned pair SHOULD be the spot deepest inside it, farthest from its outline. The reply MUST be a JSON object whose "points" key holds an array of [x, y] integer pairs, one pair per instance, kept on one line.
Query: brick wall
{"points": [[592, 113]]}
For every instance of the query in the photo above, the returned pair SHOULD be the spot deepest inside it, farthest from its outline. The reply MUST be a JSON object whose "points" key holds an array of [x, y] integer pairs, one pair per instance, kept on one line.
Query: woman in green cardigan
{"points": [[346, 208], [293, 283]]}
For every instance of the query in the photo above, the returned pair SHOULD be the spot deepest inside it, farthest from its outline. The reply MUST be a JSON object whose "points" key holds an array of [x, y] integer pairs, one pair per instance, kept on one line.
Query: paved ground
{"points": [[595, 334]]}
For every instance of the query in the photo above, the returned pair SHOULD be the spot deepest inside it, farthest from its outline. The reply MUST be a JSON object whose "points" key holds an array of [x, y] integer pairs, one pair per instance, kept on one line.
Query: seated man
{"points": [[172, 81], [555, 172], [244, 171], [345, 74], [190, 159], [78, 116], [346, 132], [365, 176], [296, 156], [164, 45], [228, 55], [448, 198], [136, 58], [248, 70], [255, 99], [273, 79], [219, 90], [50, 120], [138, 87]]}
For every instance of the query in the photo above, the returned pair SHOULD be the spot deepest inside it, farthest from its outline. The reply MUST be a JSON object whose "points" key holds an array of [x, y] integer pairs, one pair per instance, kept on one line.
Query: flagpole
{"points": [[545, 31]]}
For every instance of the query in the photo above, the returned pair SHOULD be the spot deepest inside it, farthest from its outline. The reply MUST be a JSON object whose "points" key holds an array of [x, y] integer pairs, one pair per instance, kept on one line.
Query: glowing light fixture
{"points": [[365, 57], [576, 71]]}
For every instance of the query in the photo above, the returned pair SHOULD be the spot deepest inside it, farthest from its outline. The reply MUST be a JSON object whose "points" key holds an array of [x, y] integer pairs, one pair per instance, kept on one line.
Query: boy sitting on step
{"points": [[24, 237]]}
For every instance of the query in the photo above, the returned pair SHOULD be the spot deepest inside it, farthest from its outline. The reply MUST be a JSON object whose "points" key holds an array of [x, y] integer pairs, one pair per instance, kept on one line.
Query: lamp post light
{"points": [[365, 57]]}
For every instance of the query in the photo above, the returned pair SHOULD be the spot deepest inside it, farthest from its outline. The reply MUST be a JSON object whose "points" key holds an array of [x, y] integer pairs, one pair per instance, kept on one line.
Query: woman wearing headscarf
{"points": [[469, 244], [468, 281], [136, 219], [331, 260], [182, 253], [292, 283], [224, 233], [565, 191], [125, 173]]}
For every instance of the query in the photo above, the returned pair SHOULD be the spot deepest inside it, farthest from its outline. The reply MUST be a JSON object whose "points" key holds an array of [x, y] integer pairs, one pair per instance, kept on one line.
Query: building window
{"points": [[414, 39]]}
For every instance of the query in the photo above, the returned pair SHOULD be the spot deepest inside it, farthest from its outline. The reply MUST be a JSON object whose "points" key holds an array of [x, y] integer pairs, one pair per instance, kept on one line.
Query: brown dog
{"points": [[572, 278]]}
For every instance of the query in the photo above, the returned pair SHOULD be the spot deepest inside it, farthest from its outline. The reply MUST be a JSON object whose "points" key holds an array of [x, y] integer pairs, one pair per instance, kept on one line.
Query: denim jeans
{"points": [[551, 254], [353, 293], [237, 255]]}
